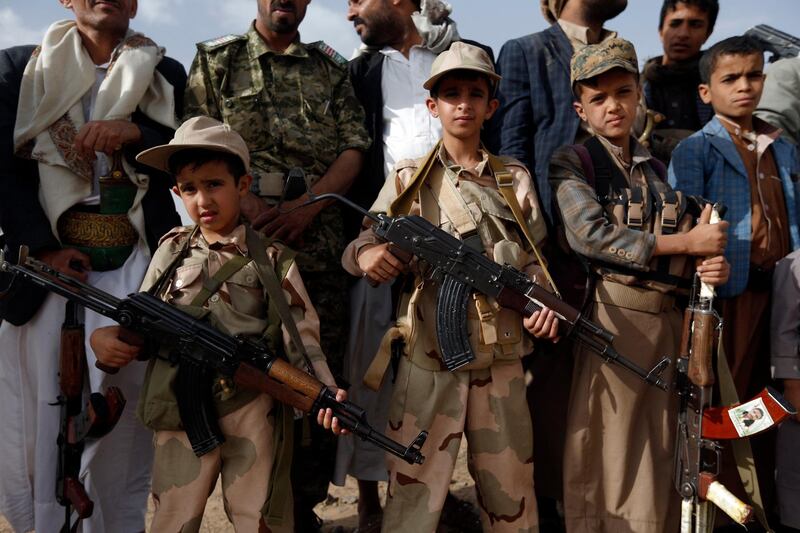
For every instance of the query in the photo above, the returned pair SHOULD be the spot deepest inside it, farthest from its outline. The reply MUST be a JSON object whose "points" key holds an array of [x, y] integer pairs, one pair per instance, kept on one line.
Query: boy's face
{"points": [[735, 86], [463, 105], [684, 31], [211, 197], [610, 108]]}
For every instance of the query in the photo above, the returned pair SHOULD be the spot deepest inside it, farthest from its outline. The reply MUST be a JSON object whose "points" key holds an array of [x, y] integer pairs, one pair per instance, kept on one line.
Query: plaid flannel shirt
{"points": [[588, 230], [707, 164]]}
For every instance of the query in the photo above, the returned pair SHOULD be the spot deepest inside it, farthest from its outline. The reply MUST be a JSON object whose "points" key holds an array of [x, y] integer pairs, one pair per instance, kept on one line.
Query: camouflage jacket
{"points": [[294, 109]]}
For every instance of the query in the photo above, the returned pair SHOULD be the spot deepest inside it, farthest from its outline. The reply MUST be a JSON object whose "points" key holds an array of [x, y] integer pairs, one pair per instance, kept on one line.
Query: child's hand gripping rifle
{"points": [[700, 426], [461, 269], [201, 351]]}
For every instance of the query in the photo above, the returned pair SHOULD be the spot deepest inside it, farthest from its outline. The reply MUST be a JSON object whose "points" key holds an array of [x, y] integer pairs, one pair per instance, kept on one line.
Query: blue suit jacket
{"points": [[708, 164], [536, 115]]}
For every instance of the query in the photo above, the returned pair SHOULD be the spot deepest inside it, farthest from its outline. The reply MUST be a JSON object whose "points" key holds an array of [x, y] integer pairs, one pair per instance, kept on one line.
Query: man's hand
{"points": [[791, 391], [111, 350], [707, 239], [543, 324], [287, 222], [379, 264], [107, 136], [68, 261], [326, 419], [252, 207], [714, 270]]}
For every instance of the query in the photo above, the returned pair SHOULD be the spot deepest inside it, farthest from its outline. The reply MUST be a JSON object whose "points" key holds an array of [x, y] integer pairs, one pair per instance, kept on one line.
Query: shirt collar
{"points": [[258, 47], [580, 34], [395, 54], [236, 238], [458, 170], [639, 153], [758, 140]]}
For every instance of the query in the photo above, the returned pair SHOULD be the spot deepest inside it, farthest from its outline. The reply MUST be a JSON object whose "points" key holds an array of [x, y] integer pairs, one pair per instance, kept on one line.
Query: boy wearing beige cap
{"points": [[638, 236], [456, 186], [215, 269]]}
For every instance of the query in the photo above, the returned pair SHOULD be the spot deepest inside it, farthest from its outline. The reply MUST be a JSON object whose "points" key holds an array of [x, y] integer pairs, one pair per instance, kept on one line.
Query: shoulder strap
{"points": [[212, 284], [659, 168], [272, 286], [402, 204], [607, 176], [505, 184], [586, 163]]}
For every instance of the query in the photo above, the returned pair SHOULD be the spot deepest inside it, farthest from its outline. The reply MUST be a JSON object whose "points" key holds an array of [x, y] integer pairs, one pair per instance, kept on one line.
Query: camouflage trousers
{"points": [[489, 407], [182, 482]]}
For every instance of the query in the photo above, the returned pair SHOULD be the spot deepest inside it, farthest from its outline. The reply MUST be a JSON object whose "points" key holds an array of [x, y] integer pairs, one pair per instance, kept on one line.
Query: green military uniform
{"points": [[485, 400], [293, 109], [251, 461]]}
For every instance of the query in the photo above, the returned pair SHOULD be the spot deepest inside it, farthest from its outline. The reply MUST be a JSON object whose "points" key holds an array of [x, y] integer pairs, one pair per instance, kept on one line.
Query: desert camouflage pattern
{"points": [[294, 109], [485, 401], [596, 59], [182, 482], [489, 408]]}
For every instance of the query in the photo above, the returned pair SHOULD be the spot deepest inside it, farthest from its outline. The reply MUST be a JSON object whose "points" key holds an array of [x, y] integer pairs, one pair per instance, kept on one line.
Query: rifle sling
{"points": [[742, 451], [505, 184], [272, 285], [212, 285], [402, 204]]}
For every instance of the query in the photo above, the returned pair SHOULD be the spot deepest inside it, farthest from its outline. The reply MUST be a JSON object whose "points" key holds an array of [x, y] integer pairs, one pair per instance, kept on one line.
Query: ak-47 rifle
{"points": [[700, 426], [80, 420], [200, 350], [778, 43], [461, 269]]}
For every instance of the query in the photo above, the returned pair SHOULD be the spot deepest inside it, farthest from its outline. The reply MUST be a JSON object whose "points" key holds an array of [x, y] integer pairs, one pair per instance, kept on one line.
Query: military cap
{"points": [[198, 132], [596, 59], [461, 56]]}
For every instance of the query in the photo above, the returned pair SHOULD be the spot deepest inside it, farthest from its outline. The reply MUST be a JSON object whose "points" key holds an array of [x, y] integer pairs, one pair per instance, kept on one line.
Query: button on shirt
{"points": [[409, 130]]}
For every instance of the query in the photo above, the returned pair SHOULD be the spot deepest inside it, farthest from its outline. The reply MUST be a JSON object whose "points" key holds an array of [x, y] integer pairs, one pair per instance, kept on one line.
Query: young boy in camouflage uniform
{"points": [[455, 186], [214, 270], [620, 215]]}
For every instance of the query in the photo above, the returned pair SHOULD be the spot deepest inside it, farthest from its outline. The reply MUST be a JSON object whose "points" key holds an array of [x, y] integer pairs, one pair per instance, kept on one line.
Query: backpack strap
{"points": [[608, 177], [586, 163], [659, 168], [277, 300], [505, 184], [211, 285]]}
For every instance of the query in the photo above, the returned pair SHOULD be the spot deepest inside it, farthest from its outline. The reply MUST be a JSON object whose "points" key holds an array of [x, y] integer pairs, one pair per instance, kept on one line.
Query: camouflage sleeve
{"points": [[349, 116], [589, 232], [200, 97]]}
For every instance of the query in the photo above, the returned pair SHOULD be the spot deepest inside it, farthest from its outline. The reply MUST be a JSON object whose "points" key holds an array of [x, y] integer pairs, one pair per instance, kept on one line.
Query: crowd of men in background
{"points": [[347, 125]]}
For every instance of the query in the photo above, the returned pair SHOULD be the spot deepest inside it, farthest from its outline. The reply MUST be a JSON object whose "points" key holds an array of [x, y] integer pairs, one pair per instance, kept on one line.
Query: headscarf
{"points": [[435, 26]]}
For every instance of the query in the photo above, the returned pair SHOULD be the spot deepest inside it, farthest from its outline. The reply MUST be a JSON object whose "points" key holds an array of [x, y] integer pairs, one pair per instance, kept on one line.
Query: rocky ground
{"points": [[338, 511]]}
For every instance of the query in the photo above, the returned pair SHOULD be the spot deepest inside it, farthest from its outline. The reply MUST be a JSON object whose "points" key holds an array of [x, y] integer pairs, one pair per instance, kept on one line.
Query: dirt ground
{"points": [[338, 510]]}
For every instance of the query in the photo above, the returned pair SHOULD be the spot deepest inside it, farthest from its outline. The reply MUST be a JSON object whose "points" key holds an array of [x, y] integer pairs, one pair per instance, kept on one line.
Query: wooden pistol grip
{"points": [[77, 497], [712, 490], [700, 370], [72, 362]]}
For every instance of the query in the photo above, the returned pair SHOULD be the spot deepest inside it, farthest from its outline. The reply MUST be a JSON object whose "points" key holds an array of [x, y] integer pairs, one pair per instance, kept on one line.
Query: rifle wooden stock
{"points": [[712, 490], [76, 495]]}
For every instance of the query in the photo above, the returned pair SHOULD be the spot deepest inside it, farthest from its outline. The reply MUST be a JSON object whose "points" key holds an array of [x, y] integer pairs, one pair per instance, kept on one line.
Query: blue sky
{"points": [[179, 24]]}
